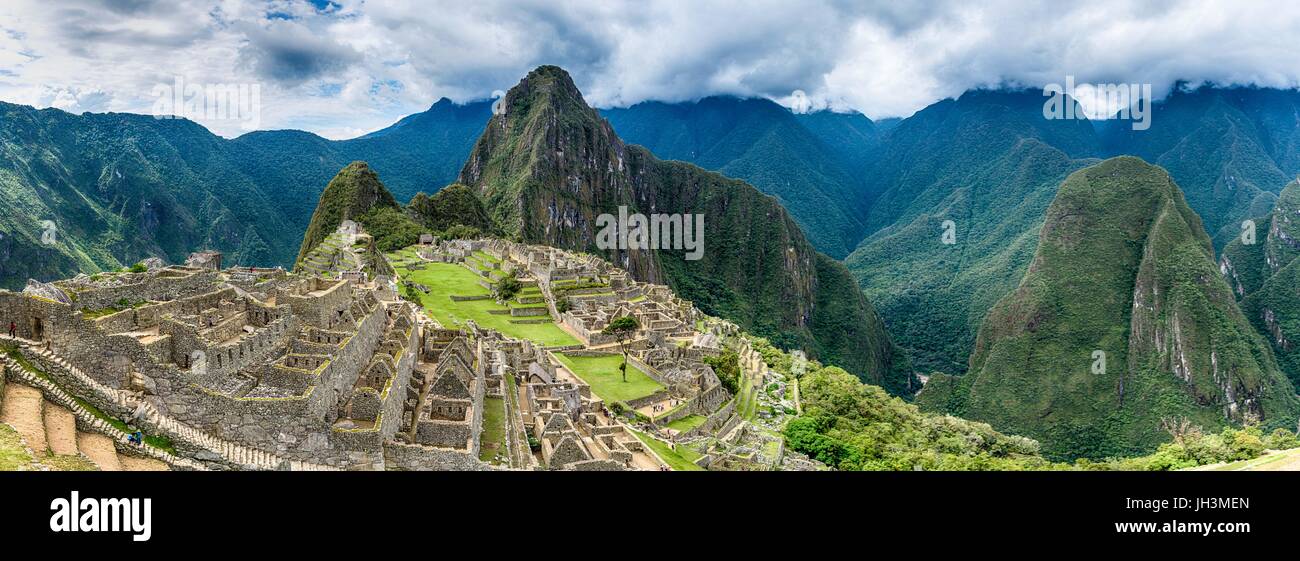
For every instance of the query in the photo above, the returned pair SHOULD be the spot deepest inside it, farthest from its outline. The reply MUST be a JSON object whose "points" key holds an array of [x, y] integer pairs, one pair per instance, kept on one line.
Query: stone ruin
{"points": [[326, 368], [206, 260]]}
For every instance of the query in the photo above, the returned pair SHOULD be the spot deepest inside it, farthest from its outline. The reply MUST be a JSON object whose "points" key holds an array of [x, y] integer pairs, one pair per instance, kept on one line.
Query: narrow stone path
{"points": [[60, 430], [99, 449], [22, 411]]}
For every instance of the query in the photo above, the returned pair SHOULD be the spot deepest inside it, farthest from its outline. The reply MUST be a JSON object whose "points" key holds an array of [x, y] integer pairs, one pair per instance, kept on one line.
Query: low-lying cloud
{"points": [[341, 67]]}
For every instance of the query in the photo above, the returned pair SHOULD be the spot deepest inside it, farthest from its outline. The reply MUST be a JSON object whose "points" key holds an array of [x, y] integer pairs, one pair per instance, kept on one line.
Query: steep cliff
{"points": [[1263, 271]]}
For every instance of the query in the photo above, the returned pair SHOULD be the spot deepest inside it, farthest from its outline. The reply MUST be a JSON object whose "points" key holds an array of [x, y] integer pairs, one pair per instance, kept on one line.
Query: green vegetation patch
{"points": [[677, 459], [445, 280], [687, 423], [13, 455], [492, 442], [602, 374]]}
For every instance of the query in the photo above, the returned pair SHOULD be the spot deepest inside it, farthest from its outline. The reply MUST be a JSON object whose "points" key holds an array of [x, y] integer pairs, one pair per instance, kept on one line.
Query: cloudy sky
{"points": [[344, 67]]}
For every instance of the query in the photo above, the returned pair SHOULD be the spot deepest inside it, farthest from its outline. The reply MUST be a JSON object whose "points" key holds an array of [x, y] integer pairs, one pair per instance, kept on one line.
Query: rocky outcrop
{"points": [[47, 291], [1265, 274]]}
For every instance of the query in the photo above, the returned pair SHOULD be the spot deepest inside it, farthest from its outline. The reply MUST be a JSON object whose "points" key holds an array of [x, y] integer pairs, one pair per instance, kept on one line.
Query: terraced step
{"points": [[60, 430], [99, 449], [132, 463], [22, 411]]}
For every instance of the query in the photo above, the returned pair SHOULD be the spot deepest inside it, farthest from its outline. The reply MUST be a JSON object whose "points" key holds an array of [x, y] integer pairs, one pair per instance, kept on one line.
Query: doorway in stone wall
{"points": [[38, 329]]}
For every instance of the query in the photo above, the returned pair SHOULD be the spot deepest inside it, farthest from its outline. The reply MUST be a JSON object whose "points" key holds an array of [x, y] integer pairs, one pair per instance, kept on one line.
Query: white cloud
{"points": [[356, 66]]}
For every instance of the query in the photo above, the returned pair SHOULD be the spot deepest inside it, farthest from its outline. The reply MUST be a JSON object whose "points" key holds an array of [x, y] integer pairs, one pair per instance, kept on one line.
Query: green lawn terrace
{"points": [[492, 439], [677, 457], [662, 387], [601, 372], [586, 290], [685, 424], [453, 294]]}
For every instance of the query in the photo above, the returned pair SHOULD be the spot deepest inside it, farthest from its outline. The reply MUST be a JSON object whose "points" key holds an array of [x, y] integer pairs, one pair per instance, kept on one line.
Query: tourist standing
{"points": [[13, 327]]}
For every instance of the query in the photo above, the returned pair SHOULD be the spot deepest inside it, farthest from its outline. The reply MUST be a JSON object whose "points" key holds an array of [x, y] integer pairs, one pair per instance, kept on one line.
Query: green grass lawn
{"points": [[446, 279], [602, 374], [680, 459], [13, 456], [687, 423], [748, 404], [1253, 463], [493, 439]]}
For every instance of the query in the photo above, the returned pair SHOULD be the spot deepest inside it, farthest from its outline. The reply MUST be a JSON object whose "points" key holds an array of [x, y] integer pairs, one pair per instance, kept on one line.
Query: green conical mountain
{"points": [[1264, 273], [354, 194], [549, 165], [453, 205], [1123, 267]]}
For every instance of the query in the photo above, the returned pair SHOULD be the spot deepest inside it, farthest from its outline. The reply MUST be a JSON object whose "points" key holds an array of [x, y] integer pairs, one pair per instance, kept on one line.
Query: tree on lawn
{"points": [[622, 328], [508, 287]]}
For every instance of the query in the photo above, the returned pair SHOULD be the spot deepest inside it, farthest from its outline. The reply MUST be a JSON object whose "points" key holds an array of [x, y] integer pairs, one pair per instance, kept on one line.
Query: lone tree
{"points": [[508, 287], [622, 328]]}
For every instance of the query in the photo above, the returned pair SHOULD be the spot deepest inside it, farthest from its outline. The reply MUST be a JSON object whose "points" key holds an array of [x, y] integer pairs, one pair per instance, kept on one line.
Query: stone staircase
{"points": [[50, 429], [150, 418]]}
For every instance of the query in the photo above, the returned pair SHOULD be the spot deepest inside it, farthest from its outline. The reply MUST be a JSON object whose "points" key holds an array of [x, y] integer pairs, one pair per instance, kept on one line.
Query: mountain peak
{"points": [[546, 86], [354, 192], [545, 133], [549, 73]]}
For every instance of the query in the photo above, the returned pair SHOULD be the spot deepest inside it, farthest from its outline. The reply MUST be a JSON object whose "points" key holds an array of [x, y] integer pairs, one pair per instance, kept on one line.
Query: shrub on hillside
{"points": [[1281, 439]]}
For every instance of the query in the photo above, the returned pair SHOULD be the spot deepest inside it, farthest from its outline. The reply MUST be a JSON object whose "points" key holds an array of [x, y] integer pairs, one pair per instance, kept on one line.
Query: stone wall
{"points": [[167, 284], [595, 465], [399, 456], [714, 421], [321, 309]]}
